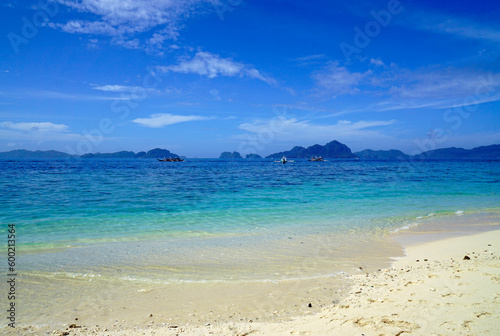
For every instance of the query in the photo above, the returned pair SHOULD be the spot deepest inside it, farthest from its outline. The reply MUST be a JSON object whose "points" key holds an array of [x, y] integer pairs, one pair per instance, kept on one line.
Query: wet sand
{"points": [[449, 286]]}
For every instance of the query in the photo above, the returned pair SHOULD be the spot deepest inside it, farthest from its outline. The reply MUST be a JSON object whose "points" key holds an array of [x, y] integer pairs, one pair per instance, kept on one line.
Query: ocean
{"points": [[147, 223]]}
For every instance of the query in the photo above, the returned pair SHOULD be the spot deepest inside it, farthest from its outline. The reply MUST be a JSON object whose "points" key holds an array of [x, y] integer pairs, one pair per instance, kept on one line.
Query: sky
{"points": [[199, 77]]}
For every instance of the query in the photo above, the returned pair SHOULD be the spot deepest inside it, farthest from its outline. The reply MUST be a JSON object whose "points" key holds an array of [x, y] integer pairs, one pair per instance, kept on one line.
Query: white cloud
{"points": [[456, 26], [377, 62], [164, 119], [122, 88], [46, 94], [129, 44], [443, 83], [335, 80], [206, 64], [211, 65], [466, 31], [254, 73], [215, 94], [123, 19], [441, 89], [310, 59], [294, 130], [93, 44], [40, 131], [34, 126], [394, 88]]}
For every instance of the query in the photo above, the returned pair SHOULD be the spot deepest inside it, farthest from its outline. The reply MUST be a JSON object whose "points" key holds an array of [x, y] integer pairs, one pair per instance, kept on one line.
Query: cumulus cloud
{"points": [[122, 19], [377, 62], [159, 120], [211, 65], [206, 64]]}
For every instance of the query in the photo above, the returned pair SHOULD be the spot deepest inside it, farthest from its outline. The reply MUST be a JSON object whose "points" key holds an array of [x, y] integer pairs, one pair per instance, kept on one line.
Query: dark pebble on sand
{"points": [[310, 305], [466, 258]]}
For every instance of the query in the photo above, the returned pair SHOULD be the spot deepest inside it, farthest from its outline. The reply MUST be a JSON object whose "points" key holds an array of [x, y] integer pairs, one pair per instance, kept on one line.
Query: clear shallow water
{"points": [[107, 240], [193, 219]]}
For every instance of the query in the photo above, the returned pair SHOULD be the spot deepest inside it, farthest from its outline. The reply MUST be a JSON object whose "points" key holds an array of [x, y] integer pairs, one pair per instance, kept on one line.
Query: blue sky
{"points": [[199, 77]]}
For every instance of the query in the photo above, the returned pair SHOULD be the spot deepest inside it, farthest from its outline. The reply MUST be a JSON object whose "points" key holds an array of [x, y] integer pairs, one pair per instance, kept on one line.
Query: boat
{"points": [[284, 160], [176, 159], [317, 158]]}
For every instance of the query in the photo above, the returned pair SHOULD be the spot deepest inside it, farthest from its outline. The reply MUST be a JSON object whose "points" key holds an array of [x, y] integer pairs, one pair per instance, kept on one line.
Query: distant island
{"points": [[337, 150], [229, 155], [484, 152], [27, 154], [51, 154], [332, 150], [237, 155], [154, 153], [392, 154], [117, 155], [253, 156]]}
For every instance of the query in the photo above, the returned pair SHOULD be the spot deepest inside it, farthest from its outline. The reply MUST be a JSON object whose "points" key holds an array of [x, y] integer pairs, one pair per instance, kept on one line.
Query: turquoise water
{"points": [[129, 210]]}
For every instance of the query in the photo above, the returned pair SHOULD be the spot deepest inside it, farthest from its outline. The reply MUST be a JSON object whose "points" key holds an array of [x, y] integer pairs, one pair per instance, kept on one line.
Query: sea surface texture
{"points": [[215, 220]]}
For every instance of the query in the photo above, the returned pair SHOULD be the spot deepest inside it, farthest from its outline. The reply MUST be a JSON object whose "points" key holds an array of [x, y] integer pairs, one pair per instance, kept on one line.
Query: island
{"points": [[393, 154], [253, 156], [229, 155], [333, 149]]}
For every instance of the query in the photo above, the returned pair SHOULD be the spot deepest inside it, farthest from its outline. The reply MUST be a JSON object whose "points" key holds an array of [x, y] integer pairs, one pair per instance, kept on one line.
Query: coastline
{"points": [[439, 294]]}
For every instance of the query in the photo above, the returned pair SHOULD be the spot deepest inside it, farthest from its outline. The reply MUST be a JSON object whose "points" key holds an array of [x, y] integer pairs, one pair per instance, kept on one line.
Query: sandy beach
{"points": [[443, 287]]}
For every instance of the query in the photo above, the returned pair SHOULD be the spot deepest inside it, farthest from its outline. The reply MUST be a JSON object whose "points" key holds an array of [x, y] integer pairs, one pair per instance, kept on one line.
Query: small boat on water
{"points": [[176, 159], [284, 160], [317, 158]]}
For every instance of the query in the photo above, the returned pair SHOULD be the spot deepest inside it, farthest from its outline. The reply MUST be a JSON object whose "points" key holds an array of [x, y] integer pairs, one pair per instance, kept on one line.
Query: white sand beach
{"points": [[443, 287]]}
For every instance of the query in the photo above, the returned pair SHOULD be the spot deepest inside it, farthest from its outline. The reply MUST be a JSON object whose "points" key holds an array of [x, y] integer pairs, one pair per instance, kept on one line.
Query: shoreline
{"points": [[390, 300]]}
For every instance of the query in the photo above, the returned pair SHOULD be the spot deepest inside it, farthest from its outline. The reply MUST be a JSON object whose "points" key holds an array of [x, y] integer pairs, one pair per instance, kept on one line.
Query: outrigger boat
{"points": [[176, 159], [317, 158], [284, 160]]}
